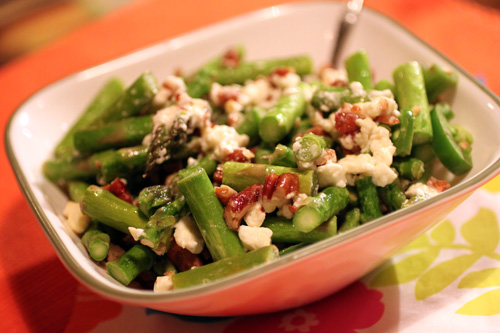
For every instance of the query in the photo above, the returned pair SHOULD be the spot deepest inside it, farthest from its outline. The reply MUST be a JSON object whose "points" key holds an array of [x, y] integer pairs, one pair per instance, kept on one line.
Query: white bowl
{"points": [[310, 273]]}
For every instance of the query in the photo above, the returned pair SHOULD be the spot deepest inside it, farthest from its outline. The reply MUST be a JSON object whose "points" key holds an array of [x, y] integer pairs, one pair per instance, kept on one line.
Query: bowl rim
{"points": [[127, 294]]}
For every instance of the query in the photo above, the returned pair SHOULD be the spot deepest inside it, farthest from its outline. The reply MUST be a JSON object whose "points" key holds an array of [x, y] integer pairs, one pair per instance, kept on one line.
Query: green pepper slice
{"points": [[455, 159]]}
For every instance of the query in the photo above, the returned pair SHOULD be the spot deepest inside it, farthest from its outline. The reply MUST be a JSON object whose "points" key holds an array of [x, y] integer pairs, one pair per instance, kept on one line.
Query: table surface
{"points": [[439, 283]]}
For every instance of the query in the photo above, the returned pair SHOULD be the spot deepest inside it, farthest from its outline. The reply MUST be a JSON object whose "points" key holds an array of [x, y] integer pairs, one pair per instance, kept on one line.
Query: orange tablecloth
{"points": [[37, 293]]}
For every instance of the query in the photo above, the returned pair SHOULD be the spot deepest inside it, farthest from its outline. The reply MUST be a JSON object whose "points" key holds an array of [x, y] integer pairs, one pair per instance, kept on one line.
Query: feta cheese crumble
{"points": [[254, 238], [420, 190], [75, 219], [222, 140], [188, 236]]}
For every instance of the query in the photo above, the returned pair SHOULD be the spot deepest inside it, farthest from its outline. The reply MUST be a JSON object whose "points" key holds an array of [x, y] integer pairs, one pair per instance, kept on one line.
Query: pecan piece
{"points": [[240, 204], [279, 190], [182, 259], [119, 188], [237, 156], [224, 193], [437, 184]]}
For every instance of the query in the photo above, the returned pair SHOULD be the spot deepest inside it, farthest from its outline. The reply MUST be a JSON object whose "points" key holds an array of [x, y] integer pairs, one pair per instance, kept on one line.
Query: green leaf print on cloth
{"points": [[481, 231], [442, 275], [418, 262], [487, 304], [486, 278]]}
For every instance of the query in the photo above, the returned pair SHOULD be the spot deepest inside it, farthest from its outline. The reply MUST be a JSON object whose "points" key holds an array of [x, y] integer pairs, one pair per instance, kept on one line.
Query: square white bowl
{"points": [[310, 273]]}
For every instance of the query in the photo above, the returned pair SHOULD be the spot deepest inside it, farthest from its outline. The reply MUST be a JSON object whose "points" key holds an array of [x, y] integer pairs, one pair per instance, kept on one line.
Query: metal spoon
{"points": [[350, 18]]}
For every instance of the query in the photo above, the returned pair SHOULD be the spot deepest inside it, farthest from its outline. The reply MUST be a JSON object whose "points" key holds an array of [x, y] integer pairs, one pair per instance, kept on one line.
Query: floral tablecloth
{"points": [[448, 280]]}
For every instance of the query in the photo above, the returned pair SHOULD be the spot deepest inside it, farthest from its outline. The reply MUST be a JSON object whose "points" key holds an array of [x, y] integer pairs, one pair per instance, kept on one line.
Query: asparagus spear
{"points": [[279, 121], [103, 206], [105, 97], [106, 166], [241, 175], [411, 95], [250, 70], [282, 156], [250, 124], [224, 267], [392, 196], [425, 153], [437, 81], [207, 163], [208, 214], [410, 168], [358, 69], [132, 102], [285, 232], [291, 248], [368, 199], [97, 243], [310, 147], [152, 197], [263, 153], [157, 233], [384, 84], [124, 133], [202, 80], [76, 189], [320, 208], [445, 109], [403, 135], [329, 99], [136, 260], [351, 220], [166, 141]]}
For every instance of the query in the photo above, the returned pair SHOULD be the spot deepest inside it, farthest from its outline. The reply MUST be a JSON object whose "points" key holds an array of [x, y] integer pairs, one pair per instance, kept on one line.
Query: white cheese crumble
{"points": [[331, 76], [255, 216], [420, 190], [285, 81], [254, 238], [357, 90], [327, 124], [377, 107], [222, 140], [172, 85], [138, 234], [163, 283], [331, 174], [261, 93], [371, 138], [75, 219], [373, 94], [188, 236]]}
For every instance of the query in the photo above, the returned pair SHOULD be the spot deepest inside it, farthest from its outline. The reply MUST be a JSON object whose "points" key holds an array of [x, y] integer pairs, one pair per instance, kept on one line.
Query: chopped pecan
{"points": [[227, 93], [218, 174], [237, 156], [231, 58], [224, 193], [388, 120], [438, 185], [283, 71], [182, 259], [240, 204], [328, 156], [318, 130], [345, 122], [119, 188], [279, 190]]}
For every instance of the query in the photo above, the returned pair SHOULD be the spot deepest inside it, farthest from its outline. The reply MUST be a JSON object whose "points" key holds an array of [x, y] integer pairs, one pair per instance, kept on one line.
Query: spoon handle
{"points": [[350, 18]]}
